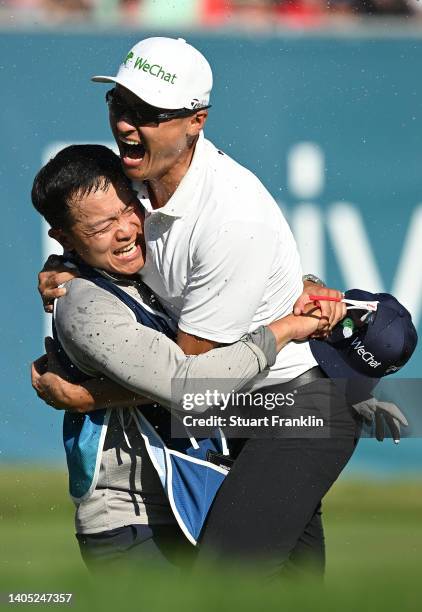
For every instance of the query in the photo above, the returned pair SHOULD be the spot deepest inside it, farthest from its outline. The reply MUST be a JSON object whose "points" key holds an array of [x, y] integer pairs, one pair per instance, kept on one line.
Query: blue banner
{"points": [[332, 126]]}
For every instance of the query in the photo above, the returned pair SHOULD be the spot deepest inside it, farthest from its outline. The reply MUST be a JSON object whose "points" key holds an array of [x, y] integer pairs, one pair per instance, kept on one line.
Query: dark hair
{"points": [[77, 170]]}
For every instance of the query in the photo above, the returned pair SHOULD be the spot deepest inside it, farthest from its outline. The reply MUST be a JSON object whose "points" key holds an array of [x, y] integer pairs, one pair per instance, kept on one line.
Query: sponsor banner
{"points": [[330, 125]]}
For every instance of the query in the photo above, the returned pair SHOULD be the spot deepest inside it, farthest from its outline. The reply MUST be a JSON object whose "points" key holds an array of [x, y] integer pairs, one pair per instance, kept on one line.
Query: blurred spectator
{"points": [[66, 10], [20, 4], [383, 7], [215, 12], [301, 13], [167, 14], [46, 10], [416, 6], [116, 11], [253, 12], [129, 10], [16, 10], [170, 13]]}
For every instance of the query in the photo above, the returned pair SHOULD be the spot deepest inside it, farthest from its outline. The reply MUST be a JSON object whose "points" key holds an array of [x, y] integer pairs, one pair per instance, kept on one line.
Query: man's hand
{"points": [[385, 414], [331, 312], [296, 327], [54, 274], [50, 384]]}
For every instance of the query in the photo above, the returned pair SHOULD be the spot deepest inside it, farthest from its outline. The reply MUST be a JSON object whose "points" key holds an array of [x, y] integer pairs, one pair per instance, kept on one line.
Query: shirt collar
{"points": [[116, 278], [183, 197], [73, 260]]}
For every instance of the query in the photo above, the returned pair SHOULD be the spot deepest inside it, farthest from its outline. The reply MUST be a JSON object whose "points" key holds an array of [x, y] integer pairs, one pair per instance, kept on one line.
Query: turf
{"points": [[374, 560]]}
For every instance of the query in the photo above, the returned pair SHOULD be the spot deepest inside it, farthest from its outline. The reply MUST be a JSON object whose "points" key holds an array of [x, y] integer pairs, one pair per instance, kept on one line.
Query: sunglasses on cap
{"points": [[359, 313], [142, 113], [369, 306]]}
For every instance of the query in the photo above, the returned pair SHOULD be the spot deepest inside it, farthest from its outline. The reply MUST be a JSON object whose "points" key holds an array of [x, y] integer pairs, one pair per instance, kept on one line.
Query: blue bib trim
{"points": [[83, 435], [189, 480]]}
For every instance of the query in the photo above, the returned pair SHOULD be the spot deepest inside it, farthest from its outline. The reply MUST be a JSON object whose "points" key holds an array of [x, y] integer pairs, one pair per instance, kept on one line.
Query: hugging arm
{"points": [[101, 337]]}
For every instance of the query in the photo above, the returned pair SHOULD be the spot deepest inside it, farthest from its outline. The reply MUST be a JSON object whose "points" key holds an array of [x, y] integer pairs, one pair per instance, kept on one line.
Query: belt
{"points": [[300, 381], [315, 373]]}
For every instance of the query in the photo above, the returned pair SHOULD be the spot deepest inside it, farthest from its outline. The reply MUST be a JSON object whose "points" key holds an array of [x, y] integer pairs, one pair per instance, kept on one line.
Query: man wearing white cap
{"points": [[211, 226], [220, 256]]}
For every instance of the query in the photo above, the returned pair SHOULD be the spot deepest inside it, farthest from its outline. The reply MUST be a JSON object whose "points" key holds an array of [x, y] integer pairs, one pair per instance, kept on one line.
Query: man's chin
{"points": [[123, 268], [128, 268], [132, 171]]}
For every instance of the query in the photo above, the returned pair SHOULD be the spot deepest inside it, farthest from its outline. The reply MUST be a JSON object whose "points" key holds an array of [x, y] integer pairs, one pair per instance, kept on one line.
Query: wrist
{"points": [[312, 278], [283, 330], [290, 325], [80, 401]]}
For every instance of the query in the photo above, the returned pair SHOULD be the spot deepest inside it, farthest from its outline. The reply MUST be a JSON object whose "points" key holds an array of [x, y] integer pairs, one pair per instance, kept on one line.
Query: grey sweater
{"points": [[102, 337]]}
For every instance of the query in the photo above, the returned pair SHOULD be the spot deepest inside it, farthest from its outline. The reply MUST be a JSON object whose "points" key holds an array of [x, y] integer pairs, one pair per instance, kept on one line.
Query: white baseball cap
{"points": [[166, 73]]}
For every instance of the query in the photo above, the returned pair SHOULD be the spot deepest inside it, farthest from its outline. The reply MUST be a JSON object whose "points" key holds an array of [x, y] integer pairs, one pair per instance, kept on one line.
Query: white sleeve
{"points": [[230, 271]]}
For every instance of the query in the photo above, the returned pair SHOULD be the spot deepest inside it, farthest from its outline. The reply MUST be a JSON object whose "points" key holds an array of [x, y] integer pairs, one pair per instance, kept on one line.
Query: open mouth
{"points": [[131, 151], [130, 251]]}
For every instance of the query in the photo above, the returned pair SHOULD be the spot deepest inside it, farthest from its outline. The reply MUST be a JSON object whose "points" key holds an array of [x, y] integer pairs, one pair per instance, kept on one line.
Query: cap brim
{"points": [[115, 79], [331, 361], [356, 386], [146, 96], [104, 79]]}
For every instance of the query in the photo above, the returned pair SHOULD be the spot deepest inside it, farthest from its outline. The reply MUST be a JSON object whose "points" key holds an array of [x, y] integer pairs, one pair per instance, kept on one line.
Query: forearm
{"points": [[168, 374], [225, 369], [243, 360], [98, 393], [282, 330], [171, 375], [140, 359]]}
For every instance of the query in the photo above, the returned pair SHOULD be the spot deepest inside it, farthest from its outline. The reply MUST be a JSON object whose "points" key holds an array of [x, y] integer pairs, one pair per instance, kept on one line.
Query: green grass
{"points": [[374, 555]]}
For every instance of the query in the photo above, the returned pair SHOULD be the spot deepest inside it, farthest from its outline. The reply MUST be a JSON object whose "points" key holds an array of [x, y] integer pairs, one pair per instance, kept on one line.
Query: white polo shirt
{"points": [[222, 258]]}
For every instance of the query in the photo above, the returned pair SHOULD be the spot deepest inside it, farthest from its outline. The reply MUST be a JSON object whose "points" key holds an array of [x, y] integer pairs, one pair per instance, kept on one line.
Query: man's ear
{"points": [[61, 237], [197, 122]]}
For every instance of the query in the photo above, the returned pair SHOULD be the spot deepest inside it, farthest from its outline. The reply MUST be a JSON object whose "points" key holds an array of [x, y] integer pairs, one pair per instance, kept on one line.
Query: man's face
{"points": [[107, 232], [151, 150]]}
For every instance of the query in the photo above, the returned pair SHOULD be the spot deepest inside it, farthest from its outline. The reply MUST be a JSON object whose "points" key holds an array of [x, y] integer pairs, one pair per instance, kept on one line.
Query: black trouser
{"points": [[268, 509]]}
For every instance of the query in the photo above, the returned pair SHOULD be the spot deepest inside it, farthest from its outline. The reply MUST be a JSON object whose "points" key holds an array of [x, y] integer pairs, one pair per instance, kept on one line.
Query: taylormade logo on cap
{"points": [[165, 72], [147, 66]]}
